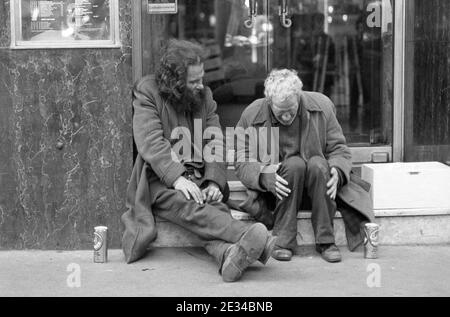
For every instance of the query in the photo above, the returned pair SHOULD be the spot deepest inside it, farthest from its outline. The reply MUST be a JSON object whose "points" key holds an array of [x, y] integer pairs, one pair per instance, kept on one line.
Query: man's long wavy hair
{"points": [[171, 74]]}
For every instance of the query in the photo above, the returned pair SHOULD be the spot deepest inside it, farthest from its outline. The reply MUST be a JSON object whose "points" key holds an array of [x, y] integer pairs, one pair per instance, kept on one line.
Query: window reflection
{"points": [[69, 20], [344, 50], [237, 54], [340, 48]]}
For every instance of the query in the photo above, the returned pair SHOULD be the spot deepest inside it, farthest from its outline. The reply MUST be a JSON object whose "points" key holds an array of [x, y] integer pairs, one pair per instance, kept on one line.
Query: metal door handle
{"points": [[251, 15], [283, 12]]}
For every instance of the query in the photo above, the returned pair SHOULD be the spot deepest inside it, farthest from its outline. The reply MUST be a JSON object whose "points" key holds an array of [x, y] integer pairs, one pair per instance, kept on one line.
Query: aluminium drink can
{"points": [[100, 245], [371, 231]]}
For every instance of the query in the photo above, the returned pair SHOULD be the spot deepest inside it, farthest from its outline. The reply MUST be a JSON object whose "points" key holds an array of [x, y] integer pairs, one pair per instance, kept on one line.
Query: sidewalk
{"points": [[404, 271]]}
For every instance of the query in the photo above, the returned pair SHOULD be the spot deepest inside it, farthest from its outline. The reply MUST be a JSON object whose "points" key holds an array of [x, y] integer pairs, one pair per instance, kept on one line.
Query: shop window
{"points": [[343, 49]]}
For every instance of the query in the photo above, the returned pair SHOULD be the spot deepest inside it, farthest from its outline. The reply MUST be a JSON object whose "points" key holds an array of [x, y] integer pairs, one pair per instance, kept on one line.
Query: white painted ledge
{"points": [[390, 213]]}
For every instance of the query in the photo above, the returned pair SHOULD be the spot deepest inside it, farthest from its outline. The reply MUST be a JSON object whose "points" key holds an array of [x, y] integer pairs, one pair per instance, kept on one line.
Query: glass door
{"points": [[236, 40], [340, 48]]}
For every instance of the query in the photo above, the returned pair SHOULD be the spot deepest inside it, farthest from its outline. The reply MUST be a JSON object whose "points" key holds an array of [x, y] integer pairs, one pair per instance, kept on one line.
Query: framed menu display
{"points": [[162, 6], [64, 23]]}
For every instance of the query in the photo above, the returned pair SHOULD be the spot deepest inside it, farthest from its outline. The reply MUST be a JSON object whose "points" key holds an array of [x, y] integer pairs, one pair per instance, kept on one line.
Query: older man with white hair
{"points": [[315, 162]]}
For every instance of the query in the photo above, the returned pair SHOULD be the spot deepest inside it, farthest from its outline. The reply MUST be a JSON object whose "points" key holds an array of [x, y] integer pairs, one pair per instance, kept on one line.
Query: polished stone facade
{"points": [[428, 81], [65, 141]]}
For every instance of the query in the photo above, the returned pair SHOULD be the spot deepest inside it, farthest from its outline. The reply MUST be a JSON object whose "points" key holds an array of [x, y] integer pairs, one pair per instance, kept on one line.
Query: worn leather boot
{"points": [[281, 254], [246, 251], [330, 252]]}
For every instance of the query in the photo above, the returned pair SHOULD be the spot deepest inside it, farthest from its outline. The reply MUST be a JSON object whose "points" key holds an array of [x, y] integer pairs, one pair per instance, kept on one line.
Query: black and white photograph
{"points": [[225, 154]]}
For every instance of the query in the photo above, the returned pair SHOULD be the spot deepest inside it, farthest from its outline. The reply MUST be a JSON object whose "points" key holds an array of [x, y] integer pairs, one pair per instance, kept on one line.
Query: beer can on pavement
{"points": [[371, 240], [100, 245]]}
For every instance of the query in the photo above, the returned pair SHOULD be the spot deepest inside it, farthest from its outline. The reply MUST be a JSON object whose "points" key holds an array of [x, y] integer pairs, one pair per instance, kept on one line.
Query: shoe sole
{"points": [[336, 260], [281, 258], [233, 266], [254, 241], [249, 249], [332, 260]]}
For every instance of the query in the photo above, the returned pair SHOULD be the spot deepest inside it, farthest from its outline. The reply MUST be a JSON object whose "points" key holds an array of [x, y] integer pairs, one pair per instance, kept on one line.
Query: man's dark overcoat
{"points": [[153, 122], [321, 135]]}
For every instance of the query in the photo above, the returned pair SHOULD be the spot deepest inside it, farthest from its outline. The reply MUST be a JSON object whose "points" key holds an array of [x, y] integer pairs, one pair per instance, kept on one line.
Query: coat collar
{"points": [[265, 113]]}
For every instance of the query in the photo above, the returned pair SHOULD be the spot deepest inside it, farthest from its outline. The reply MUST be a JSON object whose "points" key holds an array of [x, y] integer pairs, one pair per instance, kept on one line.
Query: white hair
{"points": [[282, 83]]}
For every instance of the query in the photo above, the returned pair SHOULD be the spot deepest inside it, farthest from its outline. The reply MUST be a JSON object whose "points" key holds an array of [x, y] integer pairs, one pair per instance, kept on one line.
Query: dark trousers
{"points": [[308, 182], [211, 222]]}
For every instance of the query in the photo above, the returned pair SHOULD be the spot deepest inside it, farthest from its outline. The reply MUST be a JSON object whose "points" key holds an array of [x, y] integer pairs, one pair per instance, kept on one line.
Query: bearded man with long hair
{"points": [[174, 186]]}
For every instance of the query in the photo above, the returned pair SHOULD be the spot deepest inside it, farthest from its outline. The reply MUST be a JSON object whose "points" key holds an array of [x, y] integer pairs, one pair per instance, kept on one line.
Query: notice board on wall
{"points": [[162, 7], [64, 23]]}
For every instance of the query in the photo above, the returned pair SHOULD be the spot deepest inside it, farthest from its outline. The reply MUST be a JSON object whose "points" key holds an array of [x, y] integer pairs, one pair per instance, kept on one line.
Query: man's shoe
{"points": [[329, 252], [246, 251], [268, 249], [281, 254]]}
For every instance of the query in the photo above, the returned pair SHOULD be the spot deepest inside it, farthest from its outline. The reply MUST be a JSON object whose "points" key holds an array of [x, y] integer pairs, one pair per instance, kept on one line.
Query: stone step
{"points": [[397, 226]]}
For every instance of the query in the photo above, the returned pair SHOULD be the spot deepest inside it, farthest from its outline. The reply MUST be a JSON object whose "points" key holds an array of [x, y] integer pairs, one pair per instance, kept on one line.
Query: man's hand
{"points": [[332, 185], [280, 187], [189, 189], [276, 184], [212, 193]]}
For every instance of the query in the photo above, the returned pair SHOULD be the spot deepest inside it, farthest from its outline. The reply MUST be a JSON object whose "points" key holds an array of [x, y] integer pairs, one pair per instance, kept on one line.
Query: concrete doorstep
{"points": [[397, 227]]}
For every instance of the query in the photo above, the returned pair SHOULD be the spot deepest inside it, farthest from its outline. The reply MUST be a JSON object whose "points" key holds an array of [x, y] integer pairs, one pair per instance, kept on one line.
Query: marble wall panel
{"points": [[428, 96], [65, 141]]}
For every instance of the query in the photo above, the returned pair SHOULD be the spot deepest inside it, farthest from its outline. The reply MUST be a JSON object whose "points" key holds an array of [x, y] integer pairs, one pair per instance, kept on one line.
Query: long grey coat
{"points": [[153, 122]]}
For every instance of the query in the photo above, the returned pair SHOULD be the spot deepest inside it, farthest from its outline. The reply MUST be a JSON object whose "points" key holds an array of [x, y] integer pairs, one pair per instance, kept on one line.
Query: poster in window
{"points": [[162, 7], [63, 21]]}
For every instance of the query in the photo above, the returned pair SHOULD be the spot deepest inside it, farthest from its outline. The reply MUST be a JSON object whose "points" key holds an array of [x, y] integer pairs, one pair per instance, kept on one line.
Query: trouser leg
{"points": [[217, 249], [323, 207], [293, 170], [211, 221]]}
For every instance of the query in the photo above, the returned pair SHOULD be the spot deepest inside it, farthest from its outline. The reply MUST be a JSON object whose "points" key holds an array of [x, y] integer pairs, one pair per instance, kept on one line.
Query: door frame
{"points": [[398, 125], [360, 155], [136, 18]]}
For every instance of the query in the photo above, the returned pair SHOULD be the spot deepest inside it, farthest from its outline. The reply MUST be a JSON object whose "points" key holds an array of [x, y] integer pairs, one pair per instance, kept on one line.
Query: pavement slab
{"points": [[190, 272]]}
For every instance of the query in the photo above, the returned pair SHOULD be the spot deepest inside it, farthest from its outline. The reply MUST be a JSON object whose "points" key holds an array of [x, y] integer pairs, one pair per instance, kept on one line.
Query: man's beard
{"points": [[191, 101]]}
